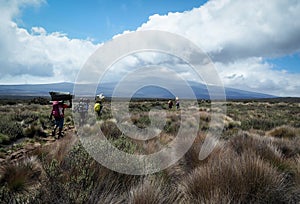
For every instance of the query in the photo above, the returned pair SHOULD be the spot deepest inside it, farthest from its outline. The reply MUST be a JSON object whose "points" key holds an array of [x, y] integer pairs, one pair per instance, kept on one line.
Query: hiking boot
{"points": [[60, 135]]}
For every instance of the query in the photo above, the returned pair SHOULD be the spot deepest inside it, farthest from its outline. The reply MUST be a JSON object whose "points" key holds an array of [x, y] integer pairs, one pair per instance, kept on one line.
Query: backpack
{"points": [[55, 110], [97, 107]]}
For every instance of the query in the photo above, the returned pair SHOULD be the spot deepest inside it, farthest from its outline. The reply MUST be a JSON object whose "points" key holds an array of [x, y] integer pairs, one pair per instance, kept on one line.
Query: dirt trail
{"points": [[49, 143]]}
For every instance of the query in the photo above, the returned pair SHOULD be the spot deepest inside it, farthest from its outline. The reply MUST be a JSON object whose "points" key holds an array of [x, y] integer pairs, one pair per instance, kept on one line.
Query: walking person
{"points": [[170, 104], [82, 108], [58, 110], [177, 103], [99, 104]]}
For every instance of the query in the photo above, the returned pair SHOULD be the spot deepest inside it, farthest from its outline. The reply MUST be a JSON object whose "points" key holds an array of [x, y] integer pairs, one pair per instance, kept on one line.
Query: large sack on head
{"points": [[60, 96], [100, 97]]}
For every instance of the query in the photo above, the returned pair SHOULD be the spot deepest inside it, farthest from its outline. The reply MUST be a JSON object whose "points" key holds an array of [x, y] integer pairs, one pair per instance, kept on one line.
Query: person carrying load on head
{"points": [[99, 104], [58, 109]]}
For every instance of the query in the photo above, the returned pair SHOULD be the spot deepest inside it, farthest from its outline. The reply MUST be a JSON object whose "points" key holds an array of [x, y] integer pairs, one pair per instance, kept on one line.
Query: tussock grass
{"points": [[297, 172], [153, 191], [290, 148], [235, 179], [256, 161], [191, 158], [19, 181], [284, 131]]}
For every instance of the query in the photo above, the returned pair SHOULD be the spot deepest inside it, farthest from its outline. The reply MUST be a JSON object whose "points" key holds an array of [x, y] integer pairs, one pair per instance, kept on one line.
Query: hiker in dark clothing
{"points": [[177, 103], [170, 104]]}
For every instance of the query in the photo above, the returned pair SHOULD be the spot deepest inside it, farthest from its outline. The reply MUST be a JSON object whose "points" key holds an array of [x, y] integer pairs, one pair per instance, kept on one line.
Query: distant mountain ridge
{"points": [[200, 91]]}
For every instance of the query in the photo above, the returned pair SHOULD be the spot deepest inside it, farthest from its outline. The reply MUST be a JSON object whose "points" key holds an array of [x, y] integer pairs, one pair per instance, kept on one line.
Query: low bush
{"points": [[11, 128], [110, 130], [4, 139], [33, 130], [260, 124], [39, 100]]}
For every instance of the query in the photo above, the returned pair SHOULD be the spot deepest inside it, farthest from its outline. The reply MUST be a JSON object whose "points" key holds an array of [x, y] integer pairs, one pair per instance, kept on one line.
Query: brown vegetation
{"points": [[257, 159]]}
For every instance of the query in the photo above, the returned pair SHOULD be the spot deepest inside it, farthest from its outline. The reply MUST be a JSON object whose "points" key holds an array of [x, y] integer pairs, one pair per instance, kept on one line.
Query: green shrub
{"points": [[125, 144], [171, 127], [11, 128], [39, 100], [260, 124], [26, 116], [110, 130], [141, 120], [33, 130], [69, 179], [4, 139]]}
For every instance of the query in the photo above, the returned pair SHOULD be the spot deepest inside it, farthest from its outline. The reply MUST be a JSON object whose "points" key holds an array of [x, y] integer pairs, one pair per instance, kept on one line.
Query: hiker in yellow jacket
{"points": [[99, 104]]}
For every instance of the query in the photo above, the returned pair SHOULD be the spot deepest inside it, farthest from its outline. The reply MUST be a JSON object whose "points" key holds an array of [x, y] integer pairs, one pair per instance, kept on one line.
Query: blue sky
{"points": [[99, 20], [290, 63], [254, 45]]}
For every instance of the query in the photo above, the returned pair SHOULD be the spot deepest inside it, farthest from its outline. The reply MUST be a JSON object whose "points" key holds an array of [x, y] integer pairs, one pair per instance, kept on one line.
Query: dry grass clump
{"points": [[290, 148], [284, 131], [245, 142], [20, 180], [230, 123], [191, 158], [58, 150], [297, 172], [205, 116], [111, 187], [153, 190], [268, 149], [235, 179], [110, 130]]}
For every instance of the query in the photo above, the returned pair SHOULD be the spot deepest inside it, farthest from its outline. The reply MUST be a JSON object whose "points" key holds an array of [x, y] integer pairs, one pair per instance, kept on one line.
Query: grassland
{"points": [[257, 158]]}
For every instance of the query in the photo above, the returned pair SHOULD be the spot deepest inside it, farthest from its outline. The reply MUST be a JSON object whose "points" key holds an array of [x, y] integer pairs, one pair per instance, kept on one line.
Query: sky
{"points": [[254, 45]]}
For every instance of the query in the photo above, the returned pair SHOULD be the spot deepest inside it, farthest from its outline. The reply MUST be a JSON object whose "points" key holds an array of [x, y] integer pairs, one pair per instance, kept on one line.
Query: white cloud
{"points": [[38, 31], [253, 74], [37, 56], [238, 35], [231, 29]]}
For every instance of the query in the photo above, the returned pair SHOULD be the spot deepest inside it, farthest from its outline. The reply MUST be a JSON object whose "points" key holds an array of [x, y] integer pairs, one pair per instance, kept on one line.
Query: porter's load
{"points": [[99, 97], [60, 96]]}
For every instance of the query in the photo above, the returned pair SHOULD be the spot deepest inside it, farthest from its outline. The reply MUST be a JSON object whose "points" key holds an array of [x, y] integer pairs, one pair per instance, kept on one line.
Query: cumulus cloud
{"points": [[38, 31], [254, 74], [234, 29], [149, 60], [38, 55], [238, 35]]}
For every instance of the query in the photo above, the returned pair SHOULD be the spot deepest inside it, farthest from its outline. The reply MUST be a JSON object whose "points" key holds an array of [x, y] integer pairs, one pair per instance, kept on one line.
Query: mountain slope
{"points": [[200, 91]]}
